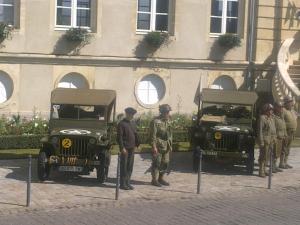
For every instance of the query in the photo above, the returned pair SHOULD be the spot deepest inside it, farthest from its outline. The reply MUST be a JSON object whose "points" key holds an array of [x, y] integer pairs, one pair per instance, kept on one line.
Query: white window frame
{"points": [[13, 6], [224, 18], [153, 15], [74, 9]]}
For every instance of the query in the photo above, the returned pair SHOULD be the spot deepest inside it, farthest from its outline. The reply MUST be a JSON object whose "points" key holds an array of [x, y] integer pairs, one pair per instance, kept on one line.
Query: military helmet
{"points": [[164, 108], [287, 99], [267, 107]]}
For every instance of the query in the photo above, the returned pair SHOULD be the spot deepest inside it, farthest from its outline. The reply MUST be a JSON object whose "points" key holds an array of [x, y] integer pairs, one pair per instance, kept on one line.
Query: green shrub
{"points": [[15, 125], [20, 141], [156, 39], [5, 31], [77, 34], [229, 41]]}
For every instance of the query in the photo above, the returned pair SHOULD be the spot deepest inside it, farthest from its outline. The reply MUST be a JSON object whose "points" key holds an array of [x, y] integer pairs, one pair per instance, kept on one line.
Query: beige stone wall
{"points": [[275, 23], [33, 88], [37, 58], [114, 30]]}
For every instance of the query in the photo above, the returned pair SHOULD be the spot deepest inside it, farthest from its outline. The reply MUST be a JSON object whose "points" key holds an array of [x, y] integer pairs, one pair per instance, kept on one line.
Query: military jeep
{"points": [[80, 132], [223, 129]]}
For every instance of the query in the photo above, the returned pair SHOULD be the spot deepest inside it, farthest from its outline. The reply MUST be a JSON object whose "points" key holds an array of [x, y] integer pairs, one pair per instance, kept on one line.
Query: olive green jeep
{"points": [[224, 128], [80, 133]]}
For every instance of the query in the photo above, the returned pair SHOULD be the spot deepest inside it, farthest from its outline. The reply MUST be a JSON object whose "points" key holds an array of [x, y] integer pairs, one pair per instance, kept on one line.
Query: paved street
{"points": [[227, 197], [277, 207]]}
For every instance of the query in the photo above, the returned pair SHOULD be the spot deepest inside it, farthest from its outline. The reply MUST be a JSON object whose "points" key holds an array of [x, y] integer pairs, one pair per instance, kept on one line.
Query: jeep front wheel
{"points": [[250, 163], [43, 168]]}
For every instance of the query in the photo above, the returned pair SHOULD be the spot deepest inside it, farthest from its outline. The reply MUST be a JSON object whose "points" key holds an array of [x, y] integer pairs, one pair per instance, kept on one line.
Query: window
{"points": [[6, 87], [7, 11], [224, 82], [73, 13], [73, 80], [224, 16], [152, 15], [150, 90]]}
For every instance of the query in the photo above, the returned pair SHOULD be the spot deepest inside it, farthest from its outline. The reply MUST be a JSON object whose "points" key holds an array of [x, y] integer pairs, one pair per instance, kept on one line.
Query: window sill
{"points": [[215, 35], [67, 28], [143, 32]]}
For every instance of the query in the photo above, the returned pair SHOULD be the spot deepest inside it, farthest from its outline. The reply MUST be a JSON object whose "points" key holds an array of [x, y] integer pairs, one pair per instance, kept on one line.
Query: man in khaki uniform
{"points": [[281, 134], [161, 142], [266, 137], [290, 118]]}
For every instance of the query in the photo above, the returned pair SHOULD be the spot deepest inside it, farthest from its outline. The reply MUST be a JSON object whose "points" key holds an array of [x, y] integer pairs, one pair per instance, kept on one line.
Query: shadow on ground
{"points": [[181, 162]]}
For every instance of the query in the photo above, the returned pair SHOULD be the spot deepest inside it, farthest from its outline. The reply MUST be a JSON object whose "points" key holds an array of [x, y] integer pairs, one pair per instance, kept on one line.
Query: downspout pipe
{"points": [[251, 46]]}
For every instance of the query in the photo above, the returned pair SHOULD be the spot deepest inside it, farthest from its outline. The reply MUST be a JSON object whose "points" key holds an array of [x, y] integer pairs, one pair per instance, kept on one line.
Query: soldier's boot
{"points": [[129, 185], [123, 185], [281, 163], [261, 172], [154, 181], [275, 168], [162, 181], [286, 164]]}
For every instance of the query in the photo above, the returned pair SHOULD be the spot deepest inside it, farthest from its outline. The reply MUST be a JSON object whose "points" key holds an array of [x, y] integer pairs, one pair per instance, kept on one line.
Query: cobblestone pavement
{"points": [[276, 207], [225, 194]]}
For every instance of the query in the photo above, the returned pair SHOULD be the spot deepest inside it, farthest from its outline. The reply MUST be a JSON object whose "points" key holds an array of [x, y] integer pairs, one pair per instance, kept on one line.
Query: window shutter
{"points": [[94, 15], [17, 11], [171, 21]]}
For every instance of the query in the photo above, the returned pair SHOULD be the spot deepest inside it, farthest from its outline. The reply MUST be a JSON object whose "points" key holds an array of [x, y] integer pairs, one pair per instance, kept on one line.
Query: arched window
{"points": [[224, 83], [6, 87], [73, 80], [151, 89]]}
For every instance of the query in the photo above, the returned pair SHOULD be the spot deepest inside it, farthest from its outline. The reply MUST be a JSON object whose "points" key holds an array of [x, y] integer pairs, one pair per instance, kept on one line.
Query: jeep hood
{"points": [[78, 132], [233, 128]]}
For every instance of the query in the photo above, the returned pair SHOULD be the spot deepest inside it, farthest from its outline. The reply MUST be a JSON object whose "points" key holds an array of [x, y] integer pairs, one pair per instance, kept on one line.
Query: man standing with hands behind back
{"points": [[128, 141], [290, 118]]}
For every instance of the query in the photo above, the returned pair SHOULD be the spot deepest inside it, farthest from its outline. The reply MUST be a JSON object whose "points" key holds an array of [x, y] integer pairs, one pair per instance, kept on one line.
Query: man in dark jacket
{"points": [[128, 141]]}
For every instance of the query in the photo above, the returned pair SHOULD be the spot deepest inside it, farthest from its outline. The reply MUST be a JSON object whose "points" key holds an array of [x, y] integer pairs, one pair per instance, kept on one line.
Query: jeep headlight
{"points": [[197, 135], [92, 141], [218, 135], [242, 136], [54, 140]]}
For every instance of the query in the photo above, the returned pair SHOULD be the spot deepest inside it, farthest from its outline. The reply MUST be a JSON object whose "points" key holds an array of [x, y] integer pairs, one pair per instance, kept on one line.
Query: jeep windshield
{"points": [[234, 114], [78, 112]]}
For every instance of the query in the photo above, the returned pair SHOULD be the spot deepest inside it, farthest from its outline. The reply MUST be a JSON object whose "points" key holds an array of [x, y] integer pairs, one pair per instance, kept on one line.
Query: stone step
{"points": [[293, 70], [294, 75], [296, 62]]}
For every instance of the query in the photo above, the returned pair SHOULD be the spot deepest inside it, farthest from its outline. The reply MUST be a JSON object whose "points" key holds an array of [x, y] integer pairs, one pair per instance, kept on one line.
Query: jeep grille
{"points": [[79, 147], [229, 141]]}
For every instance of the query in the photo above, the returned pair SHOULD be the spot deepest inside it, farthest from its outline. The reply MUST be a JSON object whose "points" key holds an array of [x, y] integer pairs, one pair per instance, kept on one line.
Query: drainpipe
{"points": [[250, 46]]}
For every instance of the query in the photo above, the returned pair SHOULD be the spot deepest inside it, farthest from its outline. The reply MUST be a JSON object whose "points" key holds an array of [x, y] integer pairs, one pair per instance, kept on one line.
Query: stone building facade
{"points": [[37, 58]]}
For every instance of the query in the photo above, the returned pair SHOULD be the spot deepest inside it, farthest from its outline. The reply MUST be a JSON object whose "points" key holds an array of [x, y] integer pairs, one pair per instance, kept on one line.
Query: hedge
{"points": [[20, 141], [33, 141]]}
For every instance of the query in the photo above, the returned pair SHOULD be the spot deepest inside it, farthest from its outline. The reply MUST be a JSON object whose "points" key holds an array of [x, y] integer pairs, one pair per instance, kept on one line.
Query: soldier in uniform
{"points": [[290, 118], [128, 141], [281, 134], [266, 137], [161, 142]]}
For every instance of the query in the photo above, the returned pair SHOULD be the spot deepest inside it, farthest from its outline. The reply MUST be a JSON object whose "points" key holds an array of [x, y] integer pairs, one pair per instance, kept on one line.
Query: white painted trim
{"points": [[224, 18], [152, 17], [74, 9]]}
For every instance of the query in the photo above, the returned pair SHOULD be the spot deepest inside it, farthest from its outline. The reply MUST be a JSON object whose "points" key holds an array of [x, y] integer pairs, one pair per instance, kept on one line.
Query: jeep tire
{"points": [[102, 172], [250, 163]]}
